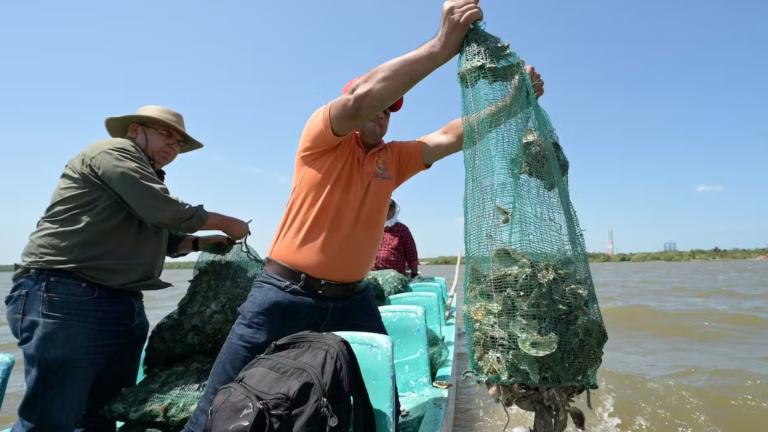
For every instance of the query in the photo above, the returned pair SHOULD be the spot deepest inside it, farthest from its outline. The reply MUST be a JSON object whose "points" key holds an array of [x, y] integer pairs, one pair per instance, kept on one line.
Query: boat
{"points": [[400, 360], [403, 358]]}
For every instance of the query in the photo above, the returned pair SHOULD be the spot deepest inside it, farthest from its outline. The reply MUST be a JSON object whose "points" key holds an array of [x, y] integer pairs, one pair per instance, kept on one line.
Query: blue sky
{"points": [[660, 105]]}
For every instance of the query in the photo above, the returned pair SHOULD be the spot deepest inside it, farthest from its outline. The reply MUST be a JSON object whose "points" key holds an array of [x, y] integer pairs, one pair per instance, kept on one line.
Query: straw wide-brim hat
{"points": [[153, 115]]}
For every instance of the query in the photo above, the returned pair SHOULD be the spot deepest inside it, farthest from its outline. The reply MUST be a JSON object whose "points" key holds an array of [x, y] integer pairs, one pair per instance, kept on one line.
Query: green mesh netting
{"points": [[184, 344], [202, 320], [438, 352], [530, 307], [166, 398], [386, 283]]}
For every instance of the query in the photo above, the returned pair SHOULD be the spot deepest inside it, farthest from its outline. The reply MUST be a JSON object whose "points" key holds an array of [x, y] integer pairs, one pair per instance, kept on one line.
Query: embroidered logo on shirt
{"points": [[382, 171]]}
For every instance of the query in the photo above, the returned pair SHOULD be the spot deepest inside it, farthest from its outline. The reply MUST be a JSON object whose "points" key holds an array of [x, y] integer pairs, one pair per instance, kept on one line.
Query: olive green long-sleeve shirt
{"points": [[111, 220]]}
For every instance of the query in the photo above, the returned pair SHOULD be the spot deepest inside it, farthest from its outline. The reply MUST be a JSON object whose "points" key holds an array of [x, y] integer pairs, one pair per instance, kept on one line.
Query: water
{"points": [[687, 349]]}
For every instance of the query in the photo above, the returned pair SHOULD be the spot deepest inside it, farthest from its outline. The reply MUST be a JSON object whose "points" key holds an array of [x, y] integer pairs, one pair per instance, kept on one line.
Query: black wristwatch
{"points": [[196, 244]]}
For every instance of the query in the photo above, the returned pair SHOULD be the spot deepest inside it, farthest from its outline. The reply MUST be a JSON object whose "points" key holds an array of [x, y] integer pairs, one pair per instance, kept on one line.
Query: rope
{"points": [[455, 279], [244, 246]]}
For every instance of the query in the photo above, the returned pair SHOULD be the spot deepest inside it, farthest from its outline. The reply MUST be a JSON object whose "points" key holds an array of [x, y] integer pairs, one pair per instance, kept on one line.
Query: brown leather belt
{"points": [[312, 284]]}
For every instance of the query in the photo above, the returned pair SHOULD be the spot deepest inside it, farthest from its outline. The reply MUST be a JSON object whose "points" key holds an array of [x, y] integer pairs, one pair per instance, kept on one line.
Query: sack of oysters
{"points": [[534, 328], [183, 346], [386, 283]]}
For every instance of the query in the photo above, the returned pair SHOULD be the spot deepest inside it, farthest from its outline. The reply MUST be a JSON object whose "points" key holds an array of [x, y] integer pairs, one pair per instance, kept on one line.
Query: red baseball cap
{"points": [[395, 107]]}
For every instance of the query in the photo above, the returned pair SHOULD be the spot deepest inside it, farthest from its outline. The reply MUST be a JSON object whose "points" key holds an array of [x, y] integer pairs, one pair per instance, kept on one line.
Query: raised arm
{"points": [[449, 139], [382, 86]]}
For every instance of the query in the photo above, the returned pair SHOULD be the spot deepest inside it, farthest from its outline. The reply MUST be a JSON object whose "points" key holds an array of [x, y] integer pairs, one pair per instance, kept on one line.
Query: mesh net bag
{"points": [[386, 283], [530, 307], [165, 399], [201, 322], [184, 344]]}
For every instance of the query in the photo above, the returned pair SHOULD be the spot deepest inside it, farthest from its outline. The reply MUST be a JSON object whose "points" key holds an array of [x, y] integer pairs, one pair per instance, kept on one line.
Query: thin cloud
{"points": [[270, 175], [710, 188]]}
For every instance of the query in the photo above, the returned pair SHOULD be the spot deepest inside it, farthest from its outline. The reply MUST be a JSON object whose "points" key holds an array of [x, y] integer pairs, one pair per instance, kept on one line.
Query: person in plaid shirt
{"points": [[398, 249]]}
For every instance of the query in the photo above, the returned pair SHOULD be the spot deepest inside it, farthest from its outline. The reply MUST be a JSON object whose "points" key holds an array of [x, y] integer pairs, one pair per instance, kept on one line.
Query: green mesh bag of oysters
{"points": [[532, 318], [183, 346]]}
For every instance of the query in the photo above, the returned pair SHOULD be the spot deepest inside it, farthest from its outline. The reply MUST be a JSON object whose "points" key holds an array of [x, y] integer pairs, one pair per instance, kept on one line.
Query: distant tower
{"points": [[670, 246], [610, 243]]}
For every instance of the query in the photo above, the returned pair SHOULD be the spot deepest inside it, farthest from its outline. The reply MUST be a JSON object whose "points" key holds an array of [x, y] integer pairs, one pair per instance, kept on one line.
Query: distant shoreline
{"points": [[715, 254], [676, 256]]}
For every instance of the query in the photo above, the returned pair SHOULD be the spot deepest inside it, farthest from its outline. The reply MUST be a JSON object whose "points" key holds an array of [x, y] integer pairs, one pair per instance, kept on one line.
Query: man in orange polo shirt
{"points": [[343, 180]]}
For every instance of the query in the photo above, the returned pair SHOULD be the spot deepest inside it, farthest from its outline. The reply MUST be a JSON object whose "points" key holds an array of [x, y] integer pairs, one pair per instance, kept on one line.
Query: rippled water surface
{"points": [[687, 349]]}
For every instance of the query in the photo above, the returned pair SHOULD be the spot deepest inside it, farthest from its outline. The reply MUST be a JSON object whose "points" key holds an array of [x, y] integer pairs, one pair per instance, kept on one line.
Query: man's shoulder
{"points": [[109, 154], [111, 145]]}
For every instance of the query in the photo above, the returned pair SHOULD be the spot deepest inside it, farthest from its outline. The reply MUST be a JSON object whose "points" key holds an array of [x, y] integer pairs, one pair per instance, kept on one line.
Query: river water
{"points": [[687, 349]]}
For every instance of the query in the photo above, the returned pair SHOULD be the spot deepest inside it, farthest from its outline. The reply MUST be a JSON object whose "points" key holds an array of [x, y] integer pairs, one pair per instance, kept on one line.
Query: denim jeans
{"points": [[276, 308], [81, 343]]}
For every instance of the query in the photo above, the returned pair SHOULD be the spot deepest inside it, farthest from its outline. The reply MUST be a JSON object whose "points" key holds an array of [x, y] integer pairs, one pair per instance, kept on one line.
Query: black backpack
{"points": [[302, 382]]}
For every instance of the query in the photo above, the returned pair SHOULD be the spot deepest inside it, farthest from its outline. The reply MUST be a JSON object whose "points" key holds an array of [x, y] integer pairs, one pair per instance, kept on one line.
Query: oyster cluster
{"points": [[533, 322], [536, 159], [486, 57], [537, 335]]}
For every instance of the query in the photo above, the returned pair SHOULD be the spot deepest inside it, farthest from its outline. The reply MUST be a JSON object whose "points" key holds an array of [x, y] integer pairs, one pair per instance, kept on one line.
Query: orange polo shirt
{"points": [[340, 194]]}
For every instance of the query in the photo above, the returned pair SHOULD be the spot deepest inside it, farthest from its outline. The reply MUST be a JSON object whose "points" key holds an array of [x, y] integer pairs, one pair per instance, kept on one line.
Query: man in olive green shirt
{"points": [[76, 304]]}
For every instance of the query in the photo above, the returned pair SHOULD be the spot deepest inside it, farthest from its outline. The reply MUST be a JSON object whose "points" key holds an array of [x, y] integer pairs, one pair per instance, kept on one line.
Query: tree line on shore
{"points": [[690, 255]]}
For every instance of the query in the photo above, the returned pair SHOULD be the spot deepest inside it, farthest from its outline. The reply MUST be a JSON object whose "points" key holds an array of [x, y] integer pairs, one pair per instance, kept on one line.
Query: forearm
{"points": [[185, 246], [383, 85], [450, 138], [499, 112], [446, 141], [217, 221], [232, 227]]}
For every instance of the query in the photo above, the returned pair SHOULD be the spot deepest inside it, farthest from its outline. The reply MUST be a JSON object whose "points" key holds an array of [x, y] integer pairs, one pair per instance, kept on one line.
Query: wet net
{"points": [[183, 346], [530, 309]]}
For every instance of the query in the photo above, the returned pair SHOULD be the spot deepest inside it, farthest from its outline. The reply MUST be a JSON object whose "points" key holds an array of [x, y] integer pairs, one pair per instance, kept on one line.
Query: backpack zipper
{"points": [[244, 390]]}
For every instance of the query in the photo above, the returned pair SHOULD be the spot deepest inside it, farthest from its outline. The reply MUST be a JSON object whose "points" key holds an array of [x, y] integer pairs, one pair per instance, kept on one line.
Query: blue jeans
{"points": [[81, 343], [276, 308]]}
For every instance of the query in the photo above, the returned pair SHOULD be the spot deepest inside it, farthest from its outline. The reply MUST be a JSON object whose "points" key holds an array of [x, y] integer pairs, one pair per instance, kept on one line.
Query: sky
{"points": [[659, 105]]}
